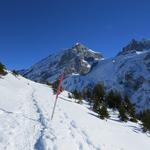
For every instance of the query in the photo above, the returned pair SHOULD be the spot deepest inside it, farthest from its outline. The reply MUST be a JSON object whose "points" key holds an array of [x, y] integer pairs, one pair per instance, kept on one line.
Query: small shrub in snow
{"points": [[15, 73], [2, 69], [48, 83], [77, 96], [69, 95], [80, 101]]}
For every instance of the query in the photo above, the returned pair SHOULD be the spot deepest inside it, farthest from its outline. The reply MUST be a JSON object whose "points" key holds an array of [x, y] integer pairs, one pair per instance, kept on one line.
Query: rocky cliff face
{"points": [[135, 46], [78, 60]]}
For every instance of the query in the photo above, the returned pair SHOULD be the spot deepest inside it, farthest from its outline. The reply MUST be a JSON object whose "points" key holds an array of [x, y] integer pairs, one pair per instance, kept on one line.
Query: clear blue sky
{"points": [[32, 29]]}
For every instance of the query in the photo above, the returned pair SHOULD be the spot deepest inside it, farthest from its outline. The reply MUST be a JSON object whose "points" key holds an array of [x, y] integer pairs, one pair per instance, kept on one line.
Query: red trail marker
{"points": [[57, 94]]}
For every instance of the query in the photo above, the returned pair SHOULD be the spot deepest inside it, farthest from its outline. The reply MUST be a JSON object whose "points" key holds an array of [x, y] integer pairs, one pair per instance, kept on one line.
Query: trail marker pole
{"points": [[58, 92]]}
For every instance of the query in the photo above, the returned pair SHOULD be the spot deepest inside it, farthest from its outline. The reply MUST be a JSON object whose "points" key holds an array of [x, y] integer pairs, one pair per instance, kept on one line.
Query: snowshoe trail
{"points": [[39, 145], [46, 132], [55, 131]]}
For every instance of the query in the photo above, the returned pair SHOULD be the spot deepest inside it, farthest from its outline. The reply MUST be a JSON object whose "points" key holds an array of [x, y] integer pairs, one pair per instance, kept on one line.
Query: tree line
{"points": [[101, 101]]}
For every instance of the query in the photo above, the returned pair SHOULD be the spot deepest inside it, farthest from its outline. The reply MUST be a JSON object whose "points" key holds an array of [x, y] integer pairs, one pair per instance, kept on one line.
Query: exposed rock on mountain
{"points": [[135, 46], [78, 60]]}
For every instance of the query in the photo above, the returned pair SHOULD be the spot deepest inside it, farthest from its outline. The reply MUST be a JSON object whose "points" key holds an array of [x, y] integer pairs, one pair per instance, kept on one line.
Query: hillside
{"points": [[25, 111]]}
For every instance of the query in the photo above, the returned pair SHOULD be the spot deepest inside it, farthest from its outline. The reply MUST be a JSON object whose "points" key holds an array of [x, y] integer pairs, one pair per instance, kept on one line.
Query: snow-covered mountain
{"points": [[128, 72], [25, 122], [76, 60]]}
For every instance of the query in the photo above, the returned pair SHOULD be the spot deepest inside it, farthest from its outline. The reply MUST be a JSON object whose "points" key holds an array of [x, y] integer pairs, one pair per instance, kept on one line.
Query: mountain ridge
{"points": [[128, 72]]}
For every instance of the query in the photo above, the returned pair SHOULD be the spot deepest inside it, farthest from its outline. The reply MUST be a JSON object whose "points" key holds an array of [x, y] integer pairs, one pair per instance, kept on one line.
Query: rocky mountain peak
{"points": [[78, 59], [79, 46], [136, 45], [84, 52]]}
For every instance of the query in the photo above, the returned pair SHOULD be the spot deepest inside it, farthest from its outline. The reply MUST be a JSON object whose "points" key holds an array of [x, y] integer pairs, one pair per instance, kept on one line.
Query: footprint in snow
{"points": [[88, 141], [80, 146], [72, 132], [66, 116], [73, 124], [61, 121]]}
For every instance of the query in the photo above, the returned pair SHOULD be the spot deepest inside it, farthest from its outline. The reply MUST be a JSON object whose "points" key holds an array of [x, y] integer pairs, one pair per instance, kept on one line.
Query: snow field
{"points": [[25, 124]]}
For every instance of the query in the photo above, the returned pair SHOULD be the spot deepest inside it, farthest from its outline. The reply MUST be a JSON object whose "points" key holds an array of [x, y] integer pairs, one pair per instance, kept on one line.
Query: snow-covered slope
{"points": [[25, 124]]}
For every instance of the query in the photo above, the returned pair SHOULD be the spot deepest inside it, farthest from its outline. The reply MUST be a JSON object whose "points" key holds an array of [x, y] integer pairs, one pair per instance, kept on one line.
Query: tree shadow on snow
{"points": [[5, 111], [136, 129], [94, 115], [65, 99], [117, 120]]}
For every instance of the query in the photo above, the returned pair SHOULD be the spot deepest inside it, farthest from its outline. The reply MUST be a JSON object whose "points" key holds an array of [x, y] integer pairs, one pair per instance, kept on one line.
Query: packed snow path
{"points": [[39, 145], [80, 139], [25, 124]]}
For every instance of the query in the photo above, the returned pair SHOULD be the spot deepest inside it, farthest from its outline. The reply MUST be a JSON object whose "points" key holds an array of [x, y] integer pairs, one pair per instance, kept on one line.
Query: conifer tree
{"points": [[109, 99], [122, 113], [55, 86], [89, 96], [77, 95], [113, 99], [130, 109], [98, 96], [145, 118], [103, 113]]}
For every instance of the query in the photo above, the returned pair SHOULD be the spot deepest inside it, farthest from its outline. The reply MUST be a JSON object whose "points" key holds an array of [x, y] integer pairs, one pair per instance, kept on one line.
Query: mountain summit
{"points": [[136, 46], [76, 60]]}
